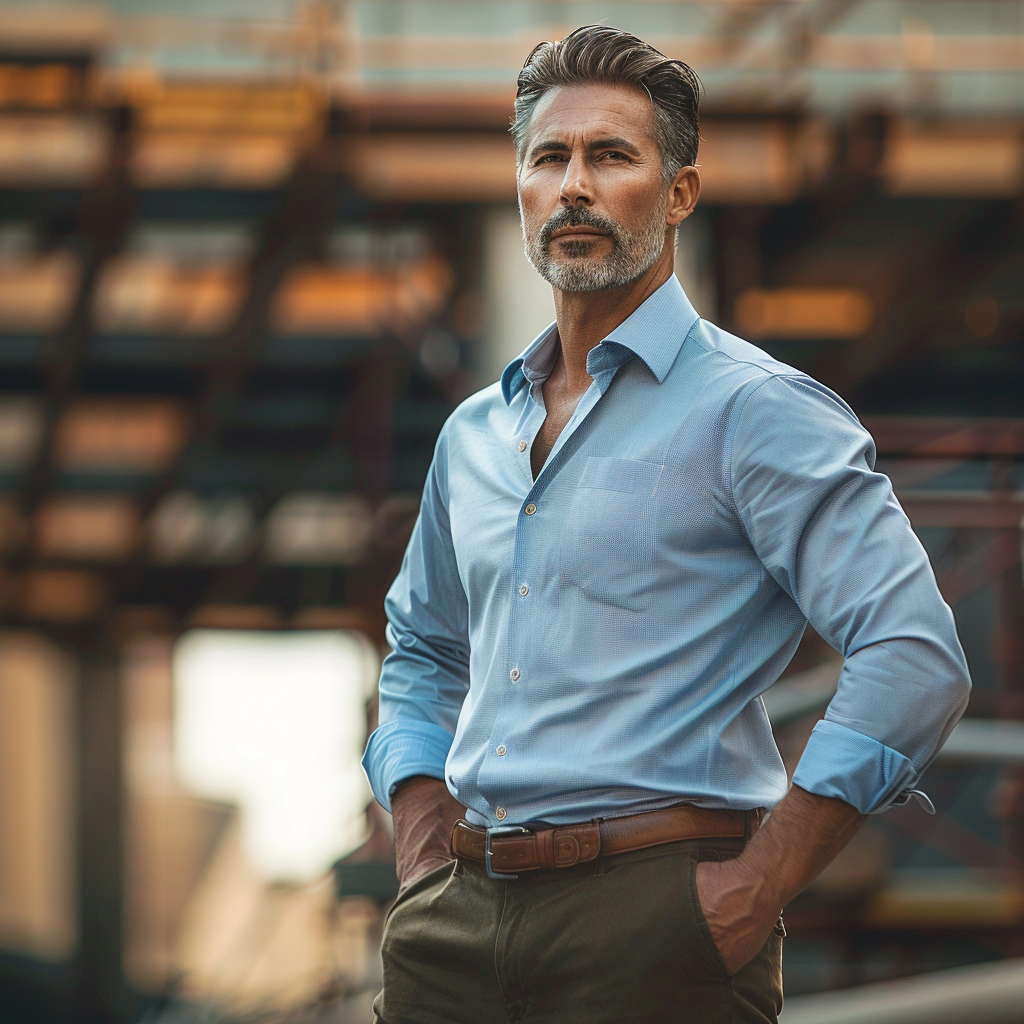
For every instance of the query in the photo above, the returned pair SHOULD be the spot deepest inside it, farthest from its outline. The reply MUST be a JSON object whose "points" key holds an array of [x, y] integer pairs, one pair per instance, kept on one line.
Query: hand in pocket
{"points": [[739, 922]]}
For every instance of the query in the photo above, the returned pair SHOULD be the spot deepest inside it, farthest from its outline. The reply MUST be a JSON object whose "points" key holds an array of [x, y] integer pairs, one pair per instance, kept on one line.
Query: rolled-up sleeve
{"points": [[425, 679], [832, 534]]}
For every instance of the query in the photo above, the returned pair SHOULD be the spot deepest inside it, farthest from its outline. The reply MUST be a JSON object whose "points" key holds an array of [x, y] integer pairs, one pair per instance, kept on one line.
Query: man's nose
{"points": [[576, 186]]}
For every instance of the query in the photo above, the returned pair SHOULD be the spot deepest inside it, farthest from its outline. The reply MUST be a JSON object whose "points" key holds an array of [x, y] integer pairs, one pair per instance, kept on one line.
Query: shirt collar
{"points": [[655, 332]]}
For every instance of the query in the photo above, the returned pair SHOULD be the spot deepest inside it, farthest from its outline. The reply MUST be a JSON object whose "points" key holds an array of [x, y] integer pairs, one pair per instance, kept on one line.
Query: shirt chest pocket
{"points": [[609, 543]]}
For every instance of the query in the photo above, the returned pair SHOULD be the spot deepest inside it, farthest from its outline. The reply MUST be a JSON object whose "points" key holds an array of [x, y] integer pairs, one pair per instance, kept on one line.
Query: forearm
{"points": [[424, 813], [742, 898], [801, 837]]}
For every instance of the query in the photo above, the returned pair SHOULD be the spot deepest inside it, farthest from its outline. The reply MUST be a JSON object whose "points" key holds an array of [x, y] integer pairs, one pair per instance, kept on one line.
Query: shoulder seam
{"points": [[790, 371]]}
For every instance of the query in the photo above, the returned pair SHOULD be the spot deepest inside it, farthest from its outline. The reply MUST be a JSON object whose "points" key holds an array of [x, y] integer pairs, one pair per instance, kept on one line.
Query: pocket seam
{"points": [[404, 894], [598, 465], [702, 924]]}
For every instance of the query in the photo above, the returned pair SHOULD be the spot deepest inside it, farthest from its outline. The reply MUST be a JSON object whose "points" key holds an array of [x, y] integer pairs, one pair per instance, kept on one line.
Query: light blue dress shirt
{"points": [[596, 641]]}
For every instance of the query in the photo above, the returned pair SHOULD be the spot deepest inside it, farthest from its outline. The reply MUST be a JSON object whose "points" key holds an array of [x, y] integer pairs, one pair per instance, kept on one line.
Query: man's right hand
{"points": [[424, 814]]}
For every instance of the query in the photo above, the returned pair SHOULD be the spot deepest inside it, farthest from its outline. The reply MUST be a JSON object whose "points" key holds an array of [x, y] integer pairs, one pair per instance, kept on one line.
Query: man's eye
{"points": [[614, 155], [549, 158]]}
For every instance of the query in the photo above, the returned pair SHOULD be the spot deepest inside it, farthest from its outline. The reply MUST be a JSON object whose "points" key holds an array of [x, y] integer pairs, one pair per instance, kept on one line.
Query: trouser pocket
{"points": [[715, 963]]}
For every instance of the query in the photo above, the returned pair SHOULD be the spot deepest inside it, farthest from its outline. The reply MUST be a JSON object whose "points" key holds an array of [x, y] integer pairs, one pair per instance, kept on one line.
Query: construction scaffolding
{"points": [[251, 259]]}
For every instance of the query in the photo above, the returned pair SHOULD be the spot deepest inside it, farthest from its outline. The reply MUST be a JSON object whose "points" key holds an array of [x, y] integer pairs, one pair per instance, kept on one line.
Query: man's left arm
{"points": [[742, 898], [830, 532]]}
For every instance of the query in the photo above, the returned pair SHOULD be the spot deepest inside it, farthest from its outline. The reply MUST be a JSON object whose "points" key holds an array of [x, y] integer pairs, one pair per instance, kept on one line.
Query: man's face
{"points": [[591, 192]]}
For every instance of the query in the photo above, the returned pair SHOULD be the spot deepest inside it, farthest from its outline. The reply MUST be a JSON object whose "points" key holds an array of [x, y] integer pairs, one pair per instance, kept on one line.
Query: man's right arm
{"points": [[424, 814], [423, 682]]}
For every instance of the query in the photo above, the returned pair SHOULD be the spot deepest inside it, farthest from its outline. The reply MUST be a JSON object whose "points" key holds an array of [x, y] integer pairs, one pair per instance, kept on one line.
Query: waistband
{"points": [[509, 850]]}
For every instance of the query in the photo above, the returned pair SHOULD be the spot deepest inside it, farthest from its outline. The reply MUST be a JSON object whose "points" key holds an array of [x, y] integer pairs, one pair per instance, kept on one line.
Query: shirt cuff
{"points": [[845, 764], [401, 749]]}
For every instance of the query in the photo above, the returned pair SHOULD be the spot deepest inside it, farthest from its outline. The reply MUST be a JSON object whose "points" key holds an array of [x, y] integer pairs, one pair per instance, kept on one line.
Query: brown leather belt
{"points": [[507, 850]]}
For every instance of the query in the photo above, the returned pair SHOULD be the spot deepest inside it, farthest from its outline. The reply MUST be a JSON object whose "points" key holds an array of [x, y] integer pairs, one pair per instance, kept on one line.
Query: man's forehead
{"points": [[587, 109]]}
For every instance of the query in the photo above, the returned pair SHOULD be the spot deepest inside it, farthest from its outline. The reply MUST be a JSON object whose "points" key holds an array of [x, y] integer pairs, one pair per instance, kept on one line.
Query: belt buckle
{"points": [[500, 830]]}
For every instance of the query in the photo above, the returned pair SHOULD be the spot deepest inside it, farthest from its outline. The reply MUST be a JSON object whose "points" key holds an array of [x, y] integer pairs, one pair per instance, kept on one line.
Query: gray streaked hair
{"points": [[601, 55]]}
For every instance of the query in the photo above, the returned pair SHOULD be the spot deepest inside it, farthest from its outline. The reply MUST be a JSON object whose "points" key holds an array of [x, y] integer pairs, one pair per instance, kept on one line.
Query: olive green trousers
{"points": [[621, 939]]}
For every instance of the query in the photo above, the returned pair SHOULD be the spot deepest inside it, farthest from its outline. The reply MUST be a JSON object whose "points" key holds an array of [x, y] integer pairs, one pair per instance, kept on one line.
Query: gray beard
{"points": [[631, 256]]}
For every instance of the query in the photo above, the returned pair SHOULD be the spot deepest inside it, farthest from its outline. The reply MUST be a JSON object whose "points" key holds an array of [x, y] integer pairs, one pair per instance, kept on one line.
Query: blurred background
{"points": [[251, 256]]}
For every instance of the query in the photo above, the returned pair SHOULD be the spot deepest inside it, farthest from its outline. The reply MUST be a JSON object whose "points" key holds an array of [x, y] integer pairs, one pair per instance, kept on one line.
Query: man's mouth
{"points": [[578, 234]]}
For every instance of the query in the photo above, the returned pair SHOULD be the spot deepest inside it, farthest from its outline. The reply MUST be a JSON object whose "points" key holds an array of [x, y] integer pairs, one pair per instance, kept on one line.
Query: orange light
{"points": [[62, 595], [156, 295], [803, 313], [120, 435], [93, 527], [436, 167], [36, 293], [982, 316], [954, 160]]}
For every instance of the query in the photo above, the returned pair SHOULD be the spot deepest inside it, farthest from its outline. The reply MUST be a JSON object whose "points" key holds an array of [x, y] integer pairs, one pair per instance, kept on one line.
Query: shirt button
{"points": [[514, 675], [524, 590], [522, 446], [530, 509], [500, 813], [502, 750]]}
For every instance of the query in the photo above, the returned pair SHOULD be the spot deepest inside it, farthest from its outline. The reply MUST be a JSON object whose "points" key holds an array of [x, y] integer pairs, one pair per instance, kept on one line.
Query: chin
{"points": [[576, 278]]}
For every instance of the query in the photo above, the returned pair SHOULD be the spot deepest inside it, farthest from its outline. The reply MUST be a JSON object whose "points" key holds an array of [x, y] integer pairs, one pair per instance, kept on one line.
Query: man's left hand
{"points": [[742, 898], [739, 917]]}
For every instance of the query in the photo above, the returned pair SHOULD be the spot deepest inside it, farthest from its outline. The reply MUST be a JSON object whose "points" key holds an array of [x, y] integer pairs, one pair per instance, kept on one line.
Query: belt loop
{"points": [[752, 816]]}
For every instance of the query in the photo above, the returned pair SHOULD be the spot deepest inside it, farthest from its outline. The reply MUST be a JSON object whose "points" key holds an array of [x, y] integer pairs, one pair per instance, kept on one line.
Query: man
{"points": [[618, 550]]}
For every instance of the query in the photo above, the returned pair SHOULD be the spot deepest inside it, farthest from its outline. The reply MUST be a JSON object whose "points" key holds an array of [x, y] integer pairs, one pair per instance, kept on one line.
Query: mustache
{"points": [[577, 217]]}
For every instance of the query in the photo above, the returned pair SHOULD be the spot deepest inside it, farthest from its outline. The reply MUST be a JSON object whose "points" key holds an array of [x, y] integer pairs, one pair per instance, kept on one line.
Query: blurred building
{"points": [[251, 256]]}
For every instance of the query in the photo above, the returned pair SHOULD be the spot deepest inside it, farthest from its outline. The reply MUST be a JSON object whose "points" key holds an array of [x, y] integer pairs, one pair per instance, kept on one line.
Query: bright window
{"points": [[275, 723]]}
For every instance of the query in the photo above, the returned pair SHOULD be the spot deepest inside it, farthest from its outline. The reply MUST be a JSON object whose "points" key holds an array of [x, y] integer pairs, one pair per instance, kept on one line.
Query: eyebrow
{"points": [[613, 142]]}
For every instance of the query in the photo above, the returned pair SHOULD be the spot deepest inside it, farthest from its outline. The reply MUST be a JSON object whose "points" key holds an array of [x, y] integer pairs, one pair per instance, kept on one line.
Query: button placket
{"points": [[504, 724], [526, 551]]}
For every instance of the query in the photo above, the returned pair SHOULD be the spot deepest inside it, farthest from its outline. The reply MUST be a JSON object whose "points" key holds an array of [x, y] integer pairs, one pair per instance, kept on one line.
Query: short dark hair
{"points": [[601, 55]]}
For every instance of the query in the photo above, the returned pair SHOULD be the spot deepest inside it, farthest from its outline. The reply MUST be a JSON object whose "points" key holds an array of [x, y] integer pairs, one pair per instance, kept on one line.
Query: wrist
{"points": [[758, 884]]}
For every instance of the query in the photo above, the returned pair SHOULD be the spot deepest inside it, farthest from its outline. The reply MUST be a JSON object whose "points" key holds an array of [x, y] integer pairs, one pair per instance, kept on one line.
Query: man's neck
{"points": [[585, 318]]}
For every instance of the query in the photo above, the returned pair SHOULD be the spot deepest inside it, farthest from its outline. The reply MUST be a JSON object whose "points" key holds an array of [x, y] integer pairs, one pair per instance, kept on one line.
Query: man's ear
{"points": [[683, 194]]}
